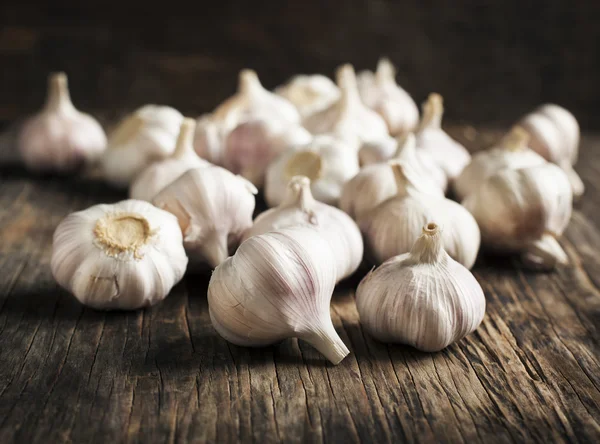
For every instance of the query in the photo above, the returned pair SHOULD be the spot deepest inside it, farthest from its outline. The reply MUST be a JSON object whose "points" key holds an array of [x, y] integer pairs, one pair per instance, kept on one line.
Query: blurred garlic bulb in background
{"points": [[300, 208], [393, 226], [278, 285], [555, 136], [162, 173], [214, 208], [123, 256], [145, 136], [209, 139], [60, 138], [524, 211], [328, 163], [423, 298], [511, 152], [450, 155], [251, 147], [309, 93], [380, 92], [376, 183]]}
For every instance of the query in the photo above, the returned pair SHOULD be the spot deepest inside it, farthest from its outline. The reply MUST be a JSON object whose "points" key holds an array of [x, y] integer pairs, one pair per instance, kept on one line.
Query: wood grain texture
{"points": [[530, 373]]}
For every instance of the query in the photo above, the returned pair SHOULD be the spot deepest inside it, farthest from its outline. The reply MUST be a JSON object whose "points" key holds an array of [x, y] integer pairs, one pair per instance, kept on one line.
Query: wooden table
{"points": [[531, 372]]}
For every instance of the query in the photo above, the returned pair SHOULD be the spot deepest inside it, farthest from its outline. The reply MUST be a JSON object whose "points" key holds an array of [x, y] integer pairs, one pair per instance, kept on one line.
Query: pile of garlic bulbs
{"points": [[353, 175]]}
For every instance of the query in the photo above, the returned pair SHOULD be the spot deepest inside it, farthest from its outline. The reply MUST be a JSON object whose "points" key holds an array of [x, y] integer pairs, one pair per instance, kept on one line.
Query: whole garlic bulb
{"points": [[309, 93], [381, 93], [162, 173], [392, 227], [253, 145], [450, 155], [300, 208], [123, 256], [145, 136], [278, 285], [214, 208], [252, 101], [60, 138], [512, 152], [348, 117], [524, 211], [376, 183], [327, 161], [554, 135], [422, 298], [209, 139]]}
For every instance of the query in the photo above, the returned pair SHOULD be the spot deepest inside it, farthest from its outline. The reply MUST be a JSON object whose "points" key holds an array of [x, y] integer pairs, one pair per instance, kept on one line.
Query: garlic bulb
{"points": [[214, 208], [524, 211], [209, 139], [554, 135], [450, 155], [253, 145], [376, 183], [162, 173], [381, 93], [278, 285], [392, 227], [328, 163], [145, 136], [422, 298], [300, 208], [253, 102], [512, 152], [309, 93], [60, 138], [123, 256], [348, 117]]}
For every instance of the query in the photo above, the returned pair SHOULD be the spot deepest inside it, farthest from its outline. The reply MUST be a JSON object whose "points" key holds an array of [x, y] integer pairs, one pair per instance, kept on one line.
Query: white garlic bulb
{"points": [[60, 138], [422, 298], [300, 208], [162, 173], [309, 93], [123, 256], [145, 136], [511, 152], [209, 139], [214, 208], [380, 92], [278, 285], [524, 211], [392, 227], [327, 161], [555, 135], [348, 117], [450, 155], [376, 183], [253, 145]]}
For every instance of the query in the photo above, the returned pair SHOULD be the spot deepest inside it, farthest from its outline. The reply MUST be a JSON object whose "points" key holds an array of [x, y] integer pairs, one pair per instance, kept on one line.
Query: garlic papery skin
{"points": [[393, 226], [449, 155], [524, 211], [300, 208], [376, 183], [253, 145], [214, 208], [60, 138], [327, 161], [511, 152], [348, 117], [252, 101], [209, 139], [278, 285], [381, 93], [309, 93], [123, 256], [145, 136], [162, 173], [423, 298]]}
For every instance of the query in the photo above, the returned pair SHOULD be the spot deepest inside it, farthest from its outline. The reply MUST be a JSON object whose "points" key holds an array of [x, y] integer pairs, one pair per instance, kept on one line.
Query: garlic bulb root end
{"points": [[122, 233]]}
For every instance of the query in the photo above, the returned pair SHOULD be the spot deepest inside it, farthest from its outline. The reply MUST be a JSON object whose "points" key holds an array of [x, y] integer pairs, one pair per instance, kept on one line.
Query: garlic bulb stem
{"points": [[346, 81], [516, 139], [327, 342], [428, 247], [404, 185], [185, 140], [58, 93], [385, 71], [545, 253], [249, 82], [300, 195], [433, 111], [215, 248]]}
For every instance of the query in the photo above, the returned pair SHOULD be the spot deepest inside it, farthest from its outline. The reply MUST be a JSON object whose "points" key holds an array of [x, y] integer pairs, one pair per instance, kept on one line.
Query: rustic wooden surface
{"points": [[531, 372]]}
